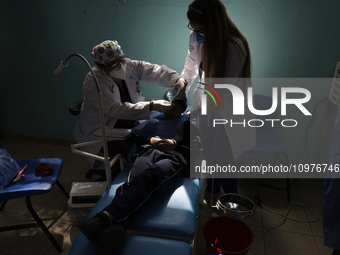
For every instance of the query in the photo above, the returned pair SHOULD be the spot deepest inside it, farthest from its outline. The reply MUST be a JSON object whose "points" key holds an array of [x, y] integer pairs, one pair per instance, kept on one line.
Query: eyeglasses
{"points": [[114, 65], [198, 32]]}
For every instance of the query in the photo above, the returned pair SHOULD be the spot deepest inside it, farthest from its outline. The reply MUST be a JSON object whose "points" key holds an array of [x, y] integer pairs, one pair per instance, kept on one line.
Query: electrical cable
{"points": [[273, 187], [285, 217]]}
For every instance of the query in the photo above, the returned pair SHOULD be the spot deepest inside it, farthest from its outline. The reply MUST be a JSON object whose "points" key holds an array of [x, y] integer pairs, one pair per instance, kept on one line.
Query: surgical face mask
{"points": [[199, 38], [119, 72]]}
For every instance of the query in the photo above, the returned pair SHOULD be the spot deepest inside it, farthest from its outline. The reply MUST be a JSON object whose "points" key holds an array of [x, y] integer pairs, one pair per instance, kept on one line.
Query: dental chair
{"points": [[164, 225]]}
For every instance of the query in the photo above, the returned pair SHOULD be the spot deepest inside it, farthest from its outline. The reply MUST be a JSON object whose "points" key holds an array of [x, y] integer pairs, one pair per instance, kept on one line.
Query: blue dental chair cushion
{"points": [[140, 245], [172, 213]]}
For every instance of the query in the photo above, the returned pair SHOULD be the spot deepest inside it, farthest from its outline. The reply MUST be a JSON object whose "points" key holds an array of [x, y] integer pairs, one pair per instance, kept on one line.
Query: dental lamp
{"points": [[104, 139]]}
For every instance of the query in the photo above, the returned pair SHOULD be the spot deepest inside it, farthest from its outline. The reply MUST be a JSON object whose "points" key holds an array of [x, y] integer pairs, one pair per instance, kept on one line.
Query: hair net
{"points": [[170, 95], [107, 51]]}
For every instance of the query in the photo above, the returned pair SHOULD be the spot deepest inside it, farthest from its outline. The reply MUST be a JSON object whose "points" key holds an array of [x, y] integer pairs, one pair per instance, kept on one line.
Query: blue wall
{"points": [[287, 39]]}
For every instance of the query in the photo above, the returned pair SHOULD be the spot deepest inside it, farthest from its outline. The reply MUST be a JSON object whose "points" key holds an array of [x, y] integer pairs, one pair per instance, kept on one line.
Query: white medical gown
{"points": [[88, 121]]}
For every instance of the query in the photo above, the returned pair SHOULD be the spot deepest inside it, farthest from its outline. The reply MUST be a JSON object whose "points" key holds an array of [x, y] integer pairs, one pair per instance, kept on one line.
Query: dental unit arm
{"points": [[103, 140]]}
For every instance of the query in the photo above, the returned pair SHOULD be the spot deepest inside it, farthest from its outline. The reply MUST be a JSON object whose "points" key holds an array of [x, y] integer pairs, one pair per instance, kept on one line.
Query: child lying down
{"points": [[160, 161]]}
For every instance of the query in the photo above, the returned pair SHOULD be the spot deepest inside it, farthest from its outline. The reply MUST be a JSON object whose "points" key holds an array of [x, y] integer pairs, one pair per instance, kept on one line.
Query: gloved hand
{"points": [[180, 86], [160, 105]]}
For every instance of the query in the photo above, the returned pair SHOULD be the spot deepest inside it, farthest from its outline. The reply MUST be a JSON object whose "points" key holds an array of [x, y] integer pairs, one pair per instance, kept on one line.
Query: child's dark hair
{"points": [[182, 103]]}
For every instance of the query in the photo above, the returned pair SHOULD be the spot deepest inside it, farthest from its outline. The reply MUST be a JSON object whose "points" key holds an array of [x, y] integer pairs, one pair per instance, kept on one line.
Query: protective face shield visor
{"points": [[115, 64]]}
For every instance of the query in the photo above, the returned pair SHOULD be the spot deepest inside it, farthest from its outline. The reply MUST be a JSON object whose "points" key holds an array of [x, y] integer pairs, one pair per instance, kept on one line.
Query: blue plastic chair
{"points": [[32, 186], [266, 139]]}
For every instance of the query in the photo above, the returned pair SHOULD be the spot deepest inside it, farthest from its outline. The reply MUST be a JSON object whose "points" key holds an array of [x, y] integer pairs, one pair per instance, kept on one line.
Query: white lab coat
{"points": [[89, 121], [240, 139]]}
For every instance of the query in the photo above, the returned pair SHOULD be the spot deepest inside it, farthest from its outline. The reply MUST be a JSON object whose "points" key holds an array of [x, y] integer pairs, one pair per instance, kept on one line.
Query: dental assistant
{"points": [[217, 49], [118, 78]]}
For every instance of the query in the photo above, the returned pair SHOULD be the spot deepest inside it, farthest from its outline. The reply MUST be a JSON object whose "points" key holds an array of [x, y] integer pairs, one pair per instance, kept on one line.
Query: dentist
{"points": [[118, 78]]}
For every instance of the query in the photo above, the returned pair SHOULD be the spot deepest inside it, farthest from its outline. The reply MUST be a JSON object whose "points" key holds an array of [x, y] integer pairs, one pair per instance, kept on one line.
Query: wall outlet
{"points": [[334, 95]]}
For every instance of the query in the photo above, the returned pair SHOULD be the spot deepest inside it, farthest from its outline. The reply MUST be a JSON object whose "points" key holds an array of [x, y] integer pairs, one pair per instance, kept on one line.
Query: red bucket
{"points": [[224, 235]]}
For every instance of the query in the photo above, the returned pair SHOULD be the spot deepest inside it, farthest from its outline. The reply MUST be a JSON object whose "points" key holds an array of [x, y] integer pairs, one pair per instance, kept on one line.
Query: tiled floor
{"points": [[291, 238]]}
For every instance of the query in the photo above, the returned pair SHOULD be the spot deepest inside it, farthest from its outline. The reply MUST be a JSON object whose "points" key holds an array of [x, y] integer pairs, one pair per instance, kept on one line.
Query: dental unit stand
{"points": [[93, 188]]}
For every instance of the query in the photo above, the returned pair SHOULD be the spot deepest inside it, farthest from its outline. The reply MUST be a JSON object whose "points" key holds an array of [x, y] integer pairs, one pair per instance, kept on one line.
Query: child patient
{"points": [[159, 163]]}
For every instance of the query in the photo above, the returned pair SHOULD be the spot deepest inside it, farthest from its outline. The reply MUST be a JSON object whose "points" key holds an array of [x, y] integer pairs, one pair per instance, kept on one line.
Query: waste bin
{"points": [[227, 236]]}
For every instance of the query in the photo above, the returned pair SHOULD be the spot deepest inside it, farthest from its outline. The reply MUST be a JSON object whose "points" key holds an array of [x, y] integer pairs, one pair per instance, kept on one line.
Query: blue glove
{"points": [[180, 86]]}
